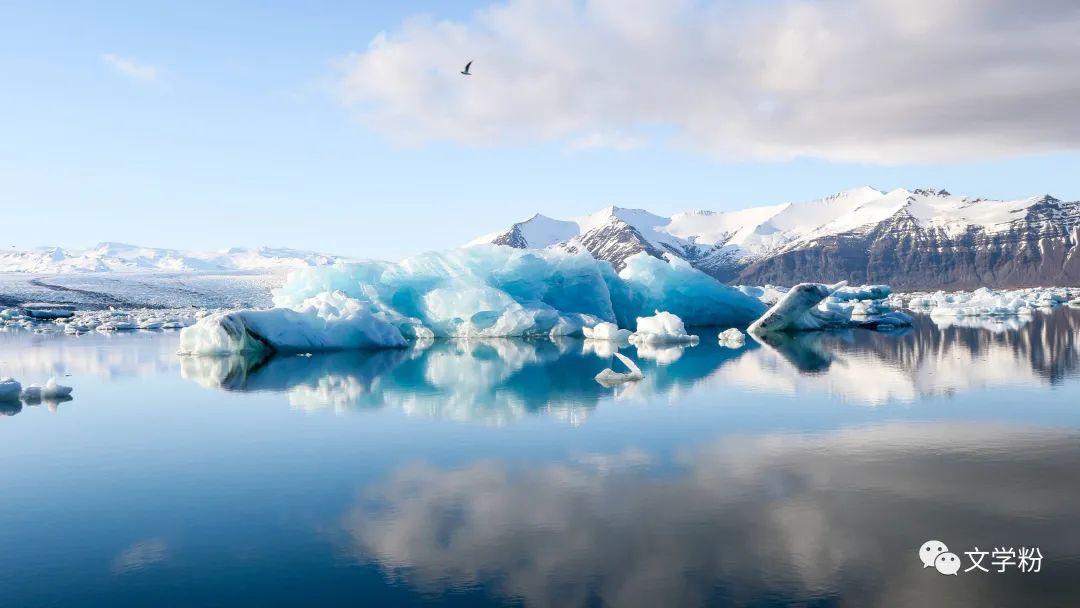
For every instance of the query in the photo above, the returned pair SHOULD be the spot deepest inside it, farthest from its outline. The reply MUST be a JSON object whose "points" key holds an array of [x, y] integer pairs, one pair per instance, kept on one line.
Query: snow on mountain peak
{"points": [[722, 242]]}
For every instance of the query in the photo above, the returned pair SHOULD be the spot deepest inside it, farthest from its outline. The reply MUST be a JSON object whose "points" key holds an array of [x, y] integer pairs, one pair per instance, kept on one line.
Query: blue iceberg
{"points": [[486, 291]]}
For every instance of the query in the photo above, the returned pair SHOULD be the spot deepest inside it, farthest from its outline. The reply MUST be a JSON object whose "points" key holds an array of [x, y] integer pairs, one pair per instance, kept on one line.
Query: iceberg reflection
{"points": [[493, 380], [499, 380]]}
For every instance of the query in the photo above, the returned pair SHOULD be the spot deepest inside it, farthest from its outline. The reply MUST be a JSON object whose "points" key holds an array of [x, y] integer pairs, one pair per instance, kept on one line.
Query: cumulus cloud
{"points": [[881, 81], [131, 68]]}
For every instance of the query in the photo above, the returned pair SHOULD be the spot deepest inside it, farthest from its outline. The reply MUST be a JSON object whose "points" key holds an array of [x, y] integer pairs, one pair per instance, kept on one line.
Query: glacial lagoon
{"points": [[805, 470]]}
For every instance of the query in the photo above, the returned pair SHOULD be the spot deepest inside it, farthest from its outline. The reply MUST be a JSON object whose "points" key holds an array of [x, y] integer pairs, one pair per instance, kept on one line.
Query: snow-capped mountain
{"points": [[118, 257], [910, 238]]}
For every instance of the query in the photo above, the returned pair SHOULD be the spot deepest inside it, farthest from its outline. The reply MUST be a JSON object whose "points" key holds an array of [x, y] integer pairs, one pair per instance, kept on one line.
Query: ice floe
{"points": [[985, 302], [606, 331], [66, 320], [10, 389], [732, 338], [51, 390], [610, 377], [815, 306], [661, 328]]}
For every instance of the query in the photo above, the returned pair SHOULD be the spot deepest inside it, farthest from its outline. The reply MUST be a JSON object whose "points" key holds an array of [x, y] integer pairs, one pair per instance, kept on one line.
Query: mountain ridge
{"points": [[919, 238], [122, 257]]}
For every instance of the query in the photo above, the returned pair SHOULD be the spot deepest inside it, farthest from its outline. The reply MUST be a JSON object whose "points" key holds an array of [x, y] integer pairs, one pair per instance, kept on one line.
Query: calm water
{"points": [[806, 472]]}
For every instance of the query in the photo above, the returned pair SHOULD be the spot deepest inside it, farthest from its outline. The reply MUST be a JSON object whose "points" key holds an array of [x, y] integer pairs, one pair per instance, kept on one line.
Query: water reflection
{"points": [[779, 518], [501, 380], [494, 381], [34, 357]]}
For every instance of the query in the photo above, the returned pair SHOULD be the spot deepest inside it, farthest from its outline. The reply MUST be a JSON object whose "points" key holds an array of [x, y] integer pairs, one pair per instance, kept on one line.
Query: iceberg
{"points": [[328, 321], [476, 292], [732, 338], [810, 306], [661, 328], [10, 389], [610, 378], [606, 331], [51, 391]]}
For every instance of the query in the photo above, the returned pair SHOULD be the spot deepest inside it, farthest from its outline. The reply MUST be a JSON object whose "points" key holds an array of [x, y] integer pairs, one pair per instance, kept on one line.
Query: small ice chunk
{"points": [[10, 389], [606, 331], [732, 338], [610, 378], [661, 328]]}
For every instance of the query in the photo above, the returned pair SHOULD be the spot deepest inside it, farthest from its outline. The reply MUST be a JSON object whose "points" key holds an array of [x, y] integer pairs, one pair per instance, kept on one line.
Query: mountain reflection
{"points": [[794, 518], [499, 380]]}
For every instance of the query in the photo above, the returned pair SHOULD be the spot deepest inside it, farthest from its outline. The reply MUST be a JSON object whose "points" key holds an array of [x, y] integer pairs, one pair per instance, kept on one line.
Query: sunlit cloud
{"points": [[878, 81]]}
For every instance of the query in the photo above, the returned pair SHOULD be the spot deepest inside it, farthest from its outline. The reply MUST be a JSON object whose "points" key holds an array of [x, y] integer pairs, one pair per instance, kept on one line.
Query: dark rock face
{"points": [[614, 242], [512, 238], [1039, 248]]}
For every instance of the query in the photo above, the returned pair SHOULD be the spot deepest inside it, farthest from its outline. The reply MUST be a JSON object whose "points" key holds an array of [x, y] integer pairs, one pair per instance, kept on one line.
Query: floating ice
{"points": [[610, 377], [661, 328], [809, 306], [606, 331], [328, 321], [51, 390], [10, 389], [732, 338], [484, 291], [985, 302], [862, 292]]}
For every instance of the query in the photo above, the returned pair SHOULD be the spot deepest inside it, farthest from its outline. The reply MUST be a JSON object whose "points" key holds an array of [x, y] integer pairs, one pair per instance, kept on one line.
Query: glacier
{"points": [[475, 292]]}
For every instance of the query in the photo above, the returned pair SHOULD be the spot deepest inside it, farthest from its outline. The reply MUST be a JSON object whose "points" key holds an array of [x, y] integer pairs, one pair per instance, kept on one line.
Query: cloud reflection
{"points": [[791, 518]]}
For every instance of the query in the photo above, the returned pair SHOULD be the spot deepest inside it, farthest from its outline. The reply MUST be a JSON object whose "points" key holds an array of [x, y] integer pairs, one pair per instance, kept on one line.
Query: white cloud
{"points": [[131, 68], [879, 81]]}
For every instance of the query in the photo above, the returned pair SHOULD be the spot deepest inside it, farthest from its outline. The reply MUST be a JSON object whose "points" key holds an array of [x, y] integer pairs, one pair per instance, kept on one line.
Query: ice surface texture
{"points": [[485, 291], [732, 338]]}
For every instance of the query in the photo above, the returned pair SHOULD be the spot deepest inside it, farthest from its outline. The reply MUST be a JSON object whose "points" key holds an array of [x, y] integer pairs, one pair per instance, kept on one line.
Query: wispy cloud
{"points": [[879, 81], [131, 68]]}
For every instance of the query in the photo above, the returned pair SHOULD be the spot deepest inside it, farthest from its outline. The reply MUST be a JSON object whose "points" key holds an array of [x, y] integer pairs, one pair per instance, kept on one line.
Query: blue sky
{"points": [[199, 125]]}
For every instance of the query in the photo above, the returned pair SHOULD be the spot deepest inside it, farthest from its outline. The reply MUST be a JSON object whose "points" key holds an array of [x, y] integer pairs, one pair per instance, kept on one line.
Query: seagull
{"points": [[466, 70]]}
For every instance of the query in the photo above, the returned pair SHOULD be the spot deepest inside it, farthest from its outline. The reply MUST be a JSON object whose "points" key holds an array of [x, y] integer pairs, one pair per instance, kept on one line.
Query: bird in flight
{"points": [[466, 70]]}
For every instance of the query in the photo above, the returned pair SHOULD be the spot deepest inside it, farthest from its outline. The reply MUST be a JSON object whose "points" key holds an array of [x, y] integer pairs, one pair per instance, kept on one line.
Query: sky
{"points": [[345, 127]]}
